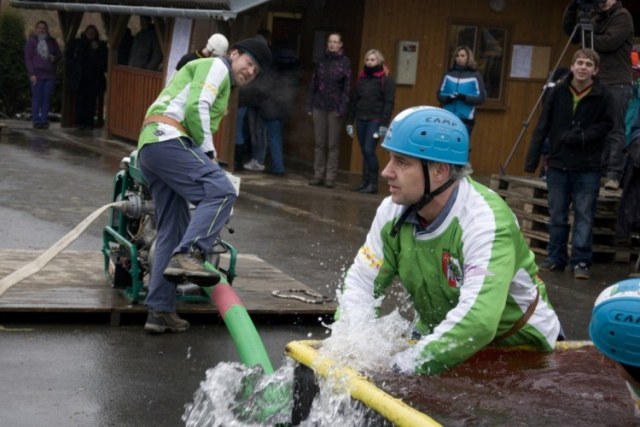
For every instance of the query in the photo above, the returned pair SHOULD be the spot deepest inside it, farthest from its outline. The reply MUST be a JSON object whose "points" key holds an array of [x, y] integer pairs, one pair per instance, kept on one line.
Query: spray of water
{"points": [[237, 396]]}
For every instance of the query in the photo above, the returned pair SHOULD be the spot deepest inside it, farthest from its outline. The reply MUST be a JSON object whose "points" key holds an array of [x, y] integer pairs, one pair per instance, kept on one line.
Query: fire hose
{"points": [[44, 259]]}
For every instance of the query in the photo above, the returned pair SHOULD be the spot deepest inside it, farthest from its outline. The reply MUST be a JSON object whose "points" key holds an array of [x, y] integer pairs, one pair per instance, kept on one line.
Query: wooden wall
{"points": [[381, 24], [131, 92], [537, 23]]}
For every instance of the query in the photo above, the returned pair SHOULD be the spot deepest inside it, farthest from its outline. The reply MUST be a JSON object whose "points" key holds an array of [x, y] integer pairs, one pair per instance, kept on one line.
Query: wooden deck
{"points": [[73, 282]]}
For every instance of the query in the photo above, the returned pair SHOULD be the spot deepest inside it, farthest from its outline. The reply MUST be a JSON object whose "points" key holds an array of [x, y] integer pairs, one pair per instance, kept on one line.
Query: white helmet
{"points": [[217, 45]]}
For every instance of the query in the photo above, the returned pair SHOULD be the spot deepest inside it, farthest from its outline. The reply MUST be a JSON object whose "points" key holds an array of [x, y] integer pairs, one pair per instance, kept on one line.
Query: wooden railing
{"points": [[131, 92]]}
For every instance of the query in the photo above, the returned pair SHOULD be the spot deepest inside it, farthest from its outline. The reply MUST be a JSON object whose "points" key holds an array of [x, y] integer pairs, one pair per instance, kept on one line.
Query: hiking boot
{"points": [[581, 271], [369, 189], [612, 184], [315, 181], [159, 322], [550, 265], [362, 185], [254, 165], [185, 267]]}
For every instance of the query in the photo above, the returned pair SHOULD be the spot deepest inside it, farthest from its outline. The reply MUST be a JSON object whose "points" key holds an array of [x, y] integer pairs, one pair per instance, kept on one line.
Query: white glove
{"points": [[350, 130], [382, 131], [405, 361]]}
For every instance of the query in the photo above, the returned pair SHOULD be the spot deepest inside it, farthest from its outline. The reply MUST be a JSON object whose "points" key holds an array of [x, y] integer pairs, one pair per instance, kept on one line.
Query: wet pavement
{"points": [[78, 371]]}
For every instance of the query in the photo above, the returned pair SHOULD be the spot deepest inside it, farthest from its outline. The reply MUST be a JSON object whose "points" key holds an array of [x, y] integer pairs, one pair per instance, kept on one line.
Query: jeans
{"points": [[40, 97], [240, 115], [256, 131], [274, 140], [612, 156], [365, 130], [581, 188], [326, 128]]}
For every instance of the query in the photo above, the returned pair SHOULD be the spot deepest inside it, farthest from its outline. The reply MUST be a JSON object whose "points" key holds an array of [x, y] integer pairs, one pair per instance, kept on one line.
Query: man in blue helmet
{"points": [[456, 248], [615, 331]]}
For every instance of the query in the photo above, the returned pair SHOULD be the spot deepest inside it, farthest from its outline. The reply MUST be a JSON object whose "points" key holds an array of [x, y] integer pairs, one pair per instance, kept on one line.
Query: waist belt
{"points": [[522, 321], [159, 118]]}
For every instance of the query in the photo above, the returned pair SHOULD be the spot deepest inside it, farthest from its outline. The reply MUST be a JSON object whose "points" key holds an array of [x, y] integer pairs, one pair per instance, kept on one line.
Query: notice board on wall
{"points": [[530, 62]]}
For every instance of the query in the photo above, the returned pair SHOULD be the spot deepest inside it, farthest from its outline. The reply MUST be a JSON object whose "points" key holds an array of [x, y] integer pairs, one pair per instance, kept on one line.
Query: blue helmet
{"points": [[615, 322], [429, 133]]}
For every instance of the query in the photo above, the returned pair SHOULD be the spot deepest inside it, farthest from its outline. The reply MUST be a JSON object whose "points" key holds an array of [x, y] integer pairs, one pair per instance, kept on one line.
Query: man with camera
{"points": [[612, 39]]}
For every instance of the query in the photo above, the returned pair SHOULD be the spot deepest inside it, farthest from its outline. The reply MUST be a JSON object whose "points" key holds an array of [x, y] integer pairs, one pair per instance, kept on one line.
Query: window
{"points": [[489, 45]]}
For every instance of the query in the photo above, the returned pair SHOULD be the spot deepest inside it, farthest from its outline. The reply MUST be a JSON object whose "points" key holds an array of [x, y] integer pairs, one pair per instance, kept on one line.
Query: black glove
{"points": [[573, 137], [462, 97], [209, 154]]}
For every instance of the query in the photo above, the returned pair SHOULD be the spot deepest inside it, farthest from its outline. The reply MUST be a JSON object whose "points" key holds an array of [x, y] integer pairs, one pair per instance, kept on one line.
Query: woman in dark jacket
{"points": [[371, 107], [87, 59], [41, 56], [327, 103], [462, 88]]}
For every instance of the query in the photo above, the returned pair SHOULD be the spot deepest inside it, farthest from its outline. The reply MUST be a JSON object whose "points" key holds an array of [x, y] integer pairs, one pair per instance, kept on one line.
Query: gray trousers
{"points": [[177, 173], [326, 126]]}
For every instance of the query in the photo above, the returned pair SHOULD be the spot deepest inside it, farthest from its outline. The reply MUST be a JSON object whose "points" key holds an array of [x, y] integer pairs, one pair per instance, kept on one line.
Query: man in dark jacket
{"points": [[613, 40], [576, 118]]}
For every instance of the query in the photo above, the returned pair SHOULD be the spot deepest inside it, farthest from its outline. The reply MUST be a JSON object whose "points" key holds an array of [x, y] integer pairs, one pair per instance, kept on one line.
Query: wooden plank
{"points": [[74, 282]]}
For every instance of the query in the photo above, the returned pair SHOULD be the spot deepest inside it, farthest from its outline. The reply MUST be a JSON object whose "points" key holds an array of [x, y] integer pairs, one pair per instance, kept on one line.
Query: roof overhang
{"points": [[194, 9]]}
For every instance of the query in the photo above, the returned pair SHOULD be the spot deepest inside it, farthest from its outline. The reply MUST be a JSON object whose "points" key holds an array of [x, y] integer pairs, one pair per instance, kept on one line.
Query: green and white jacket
{"points": [[197, 97], [470, 275]]}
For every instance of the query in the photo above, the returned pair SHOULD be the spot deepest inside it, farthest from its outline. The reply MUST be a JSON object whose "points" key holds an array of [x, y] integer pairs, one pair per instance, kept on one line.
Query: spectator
{"points": [[327, 103], [216, 47], [255, 123], [456, 248], [462, 88], [371, 106], [629, 208], [279, 86], [612, 39], [576, 118], [41, 55], [87, 58], [145, 48]]}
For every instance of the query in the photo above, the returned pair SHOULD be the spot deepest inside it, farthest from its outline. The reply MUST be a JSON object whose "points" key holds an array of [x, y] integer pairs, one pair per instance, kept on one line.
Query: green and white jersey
{"points": [[197, 97], [470, 279]]}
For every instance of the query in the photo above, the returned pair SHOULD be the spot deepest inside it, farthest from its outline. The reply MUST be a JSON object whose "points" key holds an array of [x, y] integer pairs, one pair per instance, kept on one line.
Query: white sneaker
{"points": [[612, 184], [254, 165]]}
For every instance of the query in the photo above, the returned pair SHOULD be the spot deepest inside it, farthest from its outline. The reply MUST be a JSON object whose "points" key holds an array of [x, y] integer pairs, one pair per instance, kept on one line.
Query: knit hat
{"points": [[217, 45], [257, 48]]}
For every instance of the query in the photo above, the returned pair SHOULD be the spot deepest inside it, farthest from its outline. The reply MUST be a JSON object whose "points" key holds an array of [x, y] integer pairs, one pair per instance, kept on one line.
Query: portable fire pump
{"points": [[129, 238]]}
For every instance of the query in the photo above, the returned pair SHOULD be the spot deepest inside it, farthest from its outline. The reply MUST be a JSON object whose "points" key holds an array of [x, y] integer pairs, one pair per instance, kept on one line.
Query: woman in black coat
{"points": [[87, 58]]}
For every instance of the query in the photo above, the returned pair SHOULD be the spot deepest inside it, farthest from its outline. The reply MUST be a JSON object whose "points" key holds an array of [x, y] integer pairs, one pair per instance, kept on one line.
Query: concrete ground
{"points": [[78, 371]]}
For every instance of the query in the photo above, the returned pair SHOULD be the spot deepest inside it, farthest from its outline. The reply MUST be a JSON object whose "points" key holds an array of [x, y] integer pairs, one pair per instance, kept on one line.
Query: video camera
{"points": [[588, 6]]}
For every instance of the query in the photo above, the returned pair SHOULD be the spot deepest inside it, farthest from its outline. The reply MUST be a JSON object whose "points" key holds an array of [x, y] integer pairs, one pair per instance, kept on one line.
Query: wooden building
{"points": [[517, 44]]}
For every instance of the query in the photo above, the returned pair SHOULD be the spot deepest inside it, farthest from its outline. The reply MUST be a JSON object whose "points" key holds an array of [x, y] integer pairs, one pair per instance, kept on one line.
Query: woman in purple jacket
{"points": [[327, 102], [41, 56]]}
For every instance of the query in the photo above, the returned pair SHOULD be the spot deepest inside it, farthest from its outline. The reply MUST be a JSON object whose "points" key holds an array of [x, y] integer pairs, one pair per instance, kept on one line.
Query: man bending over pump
{"points": [[455, 246]]}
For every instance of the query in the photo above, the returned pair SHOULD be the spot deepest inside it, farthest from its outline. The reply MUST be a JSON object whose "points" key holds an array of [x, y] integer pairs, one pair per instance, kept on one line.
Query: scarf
{"points": [[43, 48]]}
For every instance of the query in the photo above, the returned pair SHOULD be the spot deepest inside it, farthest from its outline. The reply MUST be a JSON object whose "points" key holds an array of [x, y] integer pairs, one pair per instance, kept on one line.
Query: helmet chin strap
{"points": [[424, 201]]}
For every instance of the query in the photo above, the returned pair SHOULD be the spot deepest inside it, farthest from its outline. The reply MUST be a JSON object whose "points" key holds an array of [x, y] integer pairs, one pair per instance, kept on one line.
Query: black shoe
{"points": [[44, 125], [369, 189], [360, 186], [330, 183], [185, 267], [550, 265], [159, 322], [315, 181]]}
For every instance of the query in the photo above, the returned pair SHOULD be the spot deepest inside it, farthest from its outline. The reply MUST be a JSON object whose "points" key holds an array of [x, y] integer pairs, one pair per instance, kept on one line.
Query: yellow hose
{"points": [[393, 409]]}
